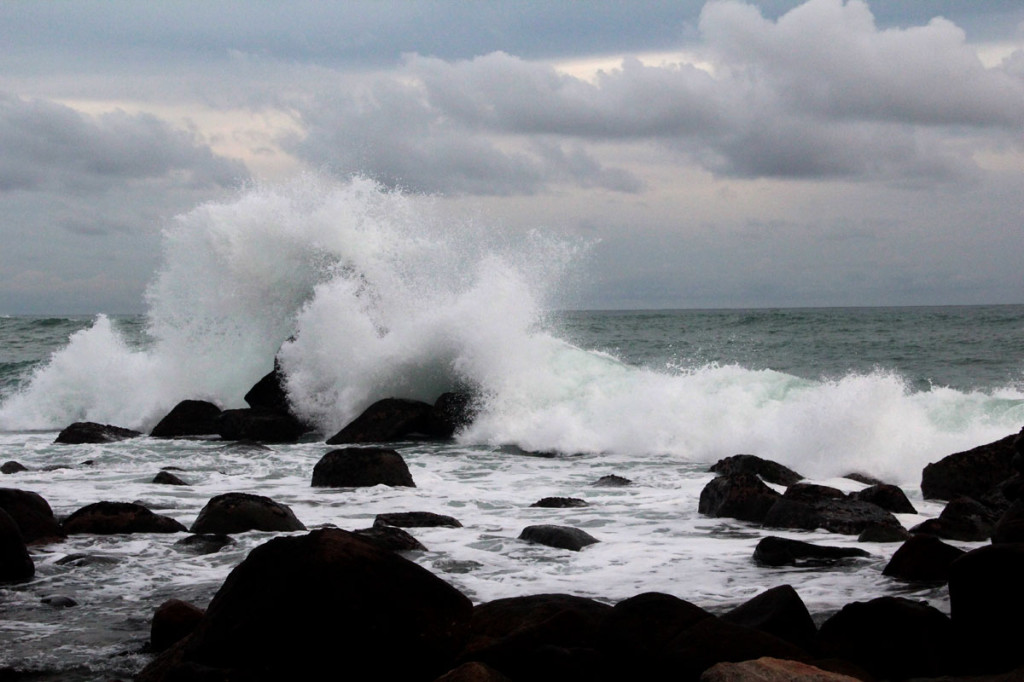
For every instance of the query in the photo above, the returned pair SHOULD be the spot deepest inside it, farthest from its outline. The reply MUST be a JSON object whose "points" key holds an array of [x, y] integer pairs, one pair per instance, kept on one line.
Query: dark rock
{"points": [[474, 671], [612, 481], [812, 493], [890, 637], [91, 432], [962, 519], [300, 606], [12, 467], [883, 533], [888, 497], [359, 467], [268, 392], [780, 612], [392, 538], [986, 600], [259, 424], [741, 496], [15, 563], [111, 518], [416, 520], [386, 421], [713, 640], [32, 514], [562, 537], [205, 543], [451, 412], [167, 478], [971, 473], [922, 558], [768, 669], [59, 602], [638, 630], [863, 478], [776, 551], [173, 621], [1010, 527], [188, 418], [845, 516], [80, 560], [770, 471], [241, 512], [560, 502]]}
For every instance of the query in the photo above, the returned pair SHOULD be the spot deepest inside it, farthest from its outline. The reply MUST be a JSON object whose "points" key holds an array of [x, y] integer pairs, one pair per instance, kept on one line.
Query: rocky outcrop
{"points": [[808, 507], [241, 512], [561, 537], [188, 418], [112, 518], [396, 419], [359, 467], [81, 433], [972, 473], [300, 606]]}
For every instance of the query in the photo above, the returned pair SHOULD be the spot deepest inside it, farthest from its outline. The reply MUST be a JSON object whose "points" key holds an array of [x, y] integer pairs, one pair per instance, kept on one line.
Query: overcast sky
{"points": [[719, 154]]}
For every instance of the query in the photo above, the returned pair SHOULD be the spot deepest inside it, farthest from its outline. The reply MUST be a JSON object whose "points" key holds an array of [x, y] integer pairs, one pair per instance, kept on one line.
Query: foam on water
{"points": [[364, 293]]}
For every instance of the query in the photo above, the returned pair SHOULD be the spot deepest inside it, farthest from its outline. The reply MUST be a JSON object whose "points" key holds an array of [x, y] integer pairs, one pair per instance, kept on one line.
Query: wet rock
{"points": [[388, 420], [638, 630], [167, 478], [767, 669], [32, 514], [241, 512], [15, 563], [451, 412], [776, 551], [59, 602], [612, 481], [259, 424], [839, 515], [91, 432], [713, 640], [562, 537], [560, 502], [890, 637], [778, 611], [962, 519], [416, 520], [770, 471], [888, 497], [188, 418], [205, 543], [12, 467], [741, 496], [269, 392], [474, 671], [173, 621], [78, 560], [863, 478], [359, 467], [812, 493], [1010, 527], [111, 518], [971, 473], [883, 533], [391, 538], [299, 606], [922, 558]]}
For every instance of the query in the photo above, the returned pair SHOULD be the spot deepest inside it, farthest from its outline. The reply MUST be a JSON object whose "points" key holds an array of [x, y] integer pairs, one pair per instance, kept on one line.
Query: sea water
{"points": [[361, 294]]}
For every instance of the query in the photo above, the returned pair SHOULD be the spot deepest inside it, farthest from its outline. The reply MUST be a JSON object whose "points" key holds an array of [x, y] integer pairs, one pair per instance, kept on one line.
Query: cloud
{"points": [[819, 92]]}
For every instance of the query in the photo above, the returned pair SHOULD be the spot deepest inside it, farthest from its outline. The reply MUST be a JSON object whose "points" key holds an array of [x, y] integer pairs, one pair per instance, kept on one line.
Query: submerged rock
{"points": [[560, 502], [360, 467], [173, 621], [91, 432], [12, 467], [562, 537], [416, 519], [167, 478], [241, 512], [205, 543], [112, 518], [776, 551], [612, 481]]}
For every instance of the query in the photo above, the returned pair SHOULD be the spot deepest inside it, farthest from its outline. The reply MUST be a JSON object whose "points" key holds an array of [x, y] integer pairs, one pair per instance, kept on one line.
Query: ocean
{"points": [[364, 294]]}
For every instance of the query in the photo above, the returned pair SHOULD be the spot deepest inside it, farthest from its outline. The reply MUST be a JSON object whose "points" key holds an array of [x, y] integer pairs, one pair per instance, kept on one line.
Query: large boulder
{"points": [[963, 519], [361, 467], [767, 669], [451, 412], [33, 515], [561, 537], [972, 473], [15, 563], [922, 558], [90, 432], [638, 630], [318, 606], [838, 515], [172, 622], [778, 611], [269, 392], [112, 518], [386, 421], [188, 418], [888, 497], [259, 424], [776, 551], [741, 496], [770, 471], [241, 512]]}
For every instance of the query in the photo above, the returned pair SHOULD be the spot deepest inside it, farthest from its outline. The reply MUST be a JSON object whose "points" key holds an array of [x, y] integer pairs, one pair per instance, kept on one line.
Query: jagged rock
{"points": [[890, 637], [778, 611], [560, 502], [188, 418], [16, 564], [888, 497], [241, 512], [91, 432], [776, 551], [415, 520], [971, 473], [359, 467], [962, 519], [562, 537], [741, 496], [392, 538], [32, 514], [612, 481], [111, 518], [768, 669], [205, 543], [259, 424], [167, 478], [386, 421], [173, 621], [299, 606], [12, 467], [770, 471], [922, 558]]}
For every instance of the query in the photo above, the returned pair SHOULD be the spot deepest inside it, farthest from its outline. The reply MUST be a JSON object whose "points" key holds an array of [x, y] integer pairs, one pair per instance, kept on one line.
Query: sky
{"points": [[711, 154]]}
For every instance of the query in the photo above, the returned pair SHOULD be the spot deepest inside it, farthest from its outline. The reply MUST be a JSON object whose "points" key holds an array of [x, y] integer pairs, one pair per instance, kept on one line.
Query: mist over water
{"points": [[364, 293]]}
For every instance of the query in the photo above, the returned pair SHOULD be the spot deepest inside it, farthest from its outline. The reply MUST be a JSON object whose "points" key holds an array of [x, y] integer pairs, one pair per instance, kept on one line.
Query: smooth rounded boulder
{"points": [[33, 515], [112, 518], [188, 418], [242, 512], [361, 467], [561, 537]]}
